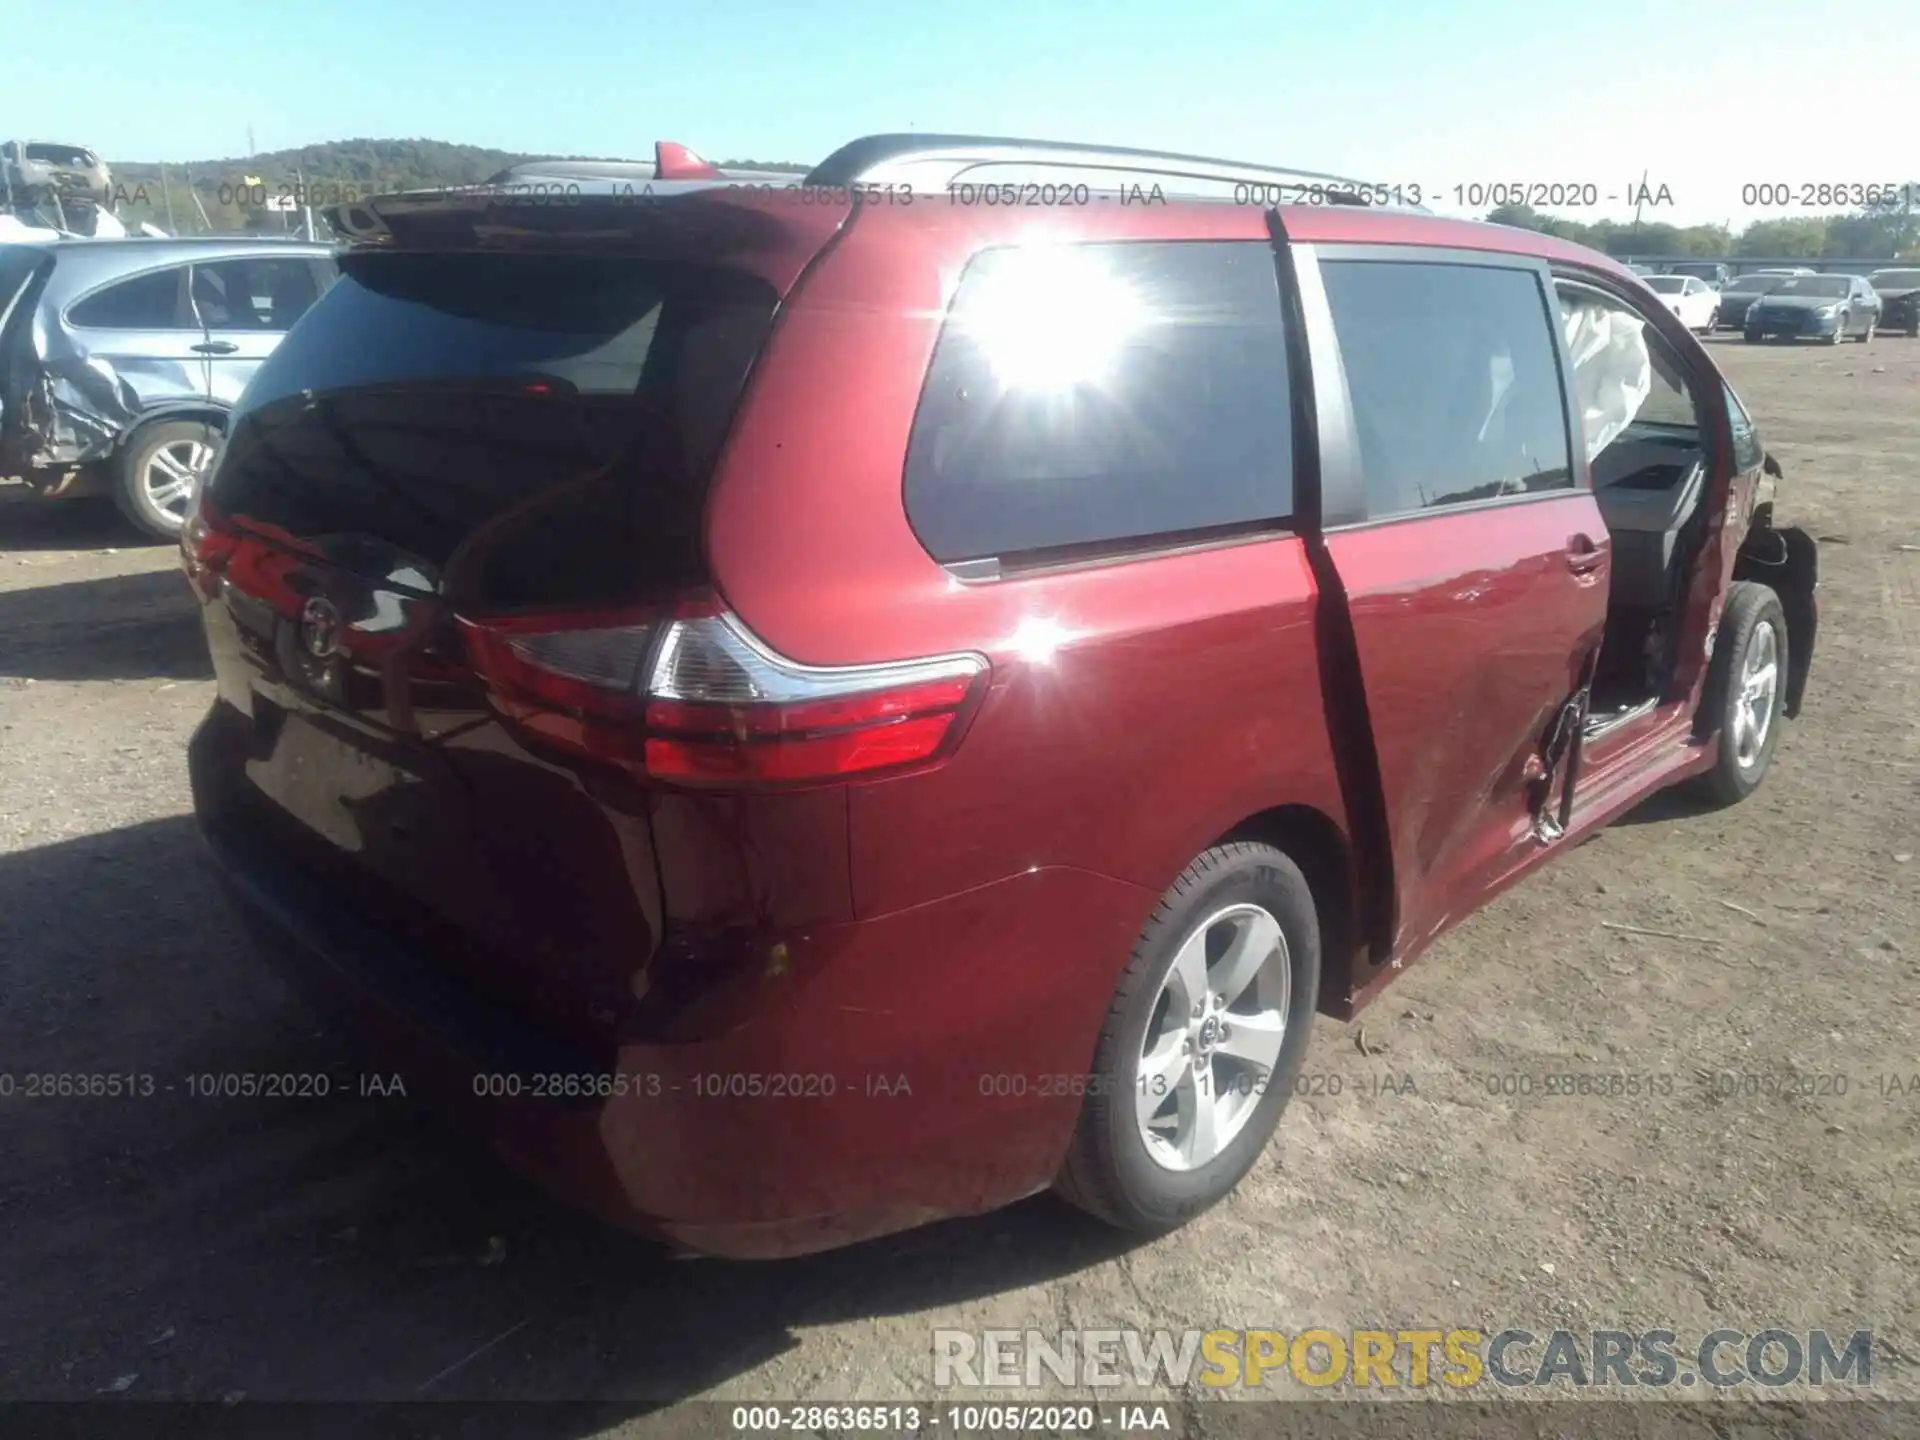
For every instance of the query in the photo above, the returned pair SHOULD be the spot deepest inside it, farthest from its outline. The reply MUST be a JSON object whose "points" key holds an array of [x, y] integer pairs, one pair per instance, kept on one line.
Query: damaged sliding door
{"points": [[1471, 555]]}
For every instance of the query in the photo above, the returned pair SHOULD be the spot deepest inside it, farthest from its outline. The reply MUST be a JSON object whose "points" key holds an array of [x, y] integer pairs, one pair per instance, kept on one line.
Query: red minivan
{"points": [[799, 711]]}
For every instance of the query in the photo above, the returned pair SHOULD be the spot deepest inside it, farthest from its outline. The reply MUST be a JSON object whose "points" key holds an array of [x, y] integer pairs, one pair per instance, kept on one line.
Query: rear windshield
{"points": [[1668, 284], [1896, 279], [546, 423], [1755, 284]]}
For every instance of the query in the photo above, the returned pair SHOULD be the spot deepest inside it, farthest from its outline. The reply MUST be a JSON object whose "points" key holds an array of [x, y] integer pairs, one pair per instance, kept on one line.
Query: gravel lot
{"points": [[182, 1247]]}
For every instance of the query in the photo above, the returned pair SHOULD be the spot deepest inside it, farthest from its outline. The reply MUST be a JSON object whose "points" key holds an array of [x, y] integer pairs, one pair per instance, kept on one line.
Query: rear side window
{"points": [[1455, 381], [544, 425], [265, 293], [154, 301], [1090, 396]]}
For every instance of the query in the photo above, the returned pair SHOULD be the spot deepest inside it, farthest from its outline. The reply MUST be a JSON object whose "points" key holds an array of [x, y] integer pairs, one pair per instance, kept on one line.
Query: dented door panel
{"points": [[1471, 634]]}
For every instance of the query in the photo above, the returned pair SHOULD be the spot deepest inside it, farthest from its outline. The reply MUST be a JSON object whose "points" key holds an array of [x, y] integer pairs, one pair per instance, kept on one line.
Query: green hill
{"points": [[221, 195]]}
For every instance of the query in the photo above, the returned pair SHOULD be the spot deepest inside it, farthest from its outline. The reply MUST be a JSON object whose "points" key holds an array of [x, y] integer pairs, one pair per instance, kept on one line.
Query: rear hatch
{"points": [[493, 414]]}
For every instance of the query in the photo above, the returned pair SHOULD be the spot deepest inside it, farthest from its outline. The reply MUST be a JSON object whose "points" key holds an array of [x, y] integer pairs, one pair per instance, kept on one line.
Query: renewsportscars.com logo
{"points": [[1458, 1358]]}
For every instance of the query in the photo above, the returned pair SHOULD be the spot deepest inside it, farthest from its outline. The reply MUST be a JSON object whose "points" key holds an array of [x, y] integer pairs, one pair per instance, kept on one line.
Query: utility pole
{"points": [[165, 190]]}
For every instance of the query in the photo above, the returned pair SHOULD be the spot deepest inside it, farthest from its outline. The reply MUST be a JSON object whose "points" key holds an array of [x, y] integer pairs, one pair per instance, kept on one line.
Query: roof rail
{"points": [[937, 161]]}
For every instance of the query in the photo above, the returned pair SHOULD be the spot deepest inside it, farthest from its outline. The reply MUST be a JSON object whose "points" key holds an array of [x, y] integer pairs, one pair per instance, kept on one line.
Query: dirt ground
{"points": [[205, 1248]]}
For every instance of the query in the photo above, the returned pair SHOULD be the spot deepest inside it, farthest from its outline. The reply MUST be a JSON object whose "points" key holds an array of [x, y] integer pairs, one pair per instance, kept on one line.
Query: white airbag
{"points": [[1612, 369]]}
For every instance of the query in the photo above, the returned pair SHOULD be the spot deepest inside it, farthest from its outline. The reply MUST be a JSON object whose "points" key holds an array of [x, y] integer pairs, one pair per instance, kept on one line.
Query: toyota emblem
{"points": [[320, 628]]}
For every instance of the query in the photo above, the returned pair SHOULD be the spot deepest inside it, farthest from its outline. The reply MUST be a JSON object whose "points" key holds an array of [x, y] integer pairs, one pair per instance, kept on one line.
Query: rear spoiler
{"points": [[674, 161], [671, 161], [676, 169]]}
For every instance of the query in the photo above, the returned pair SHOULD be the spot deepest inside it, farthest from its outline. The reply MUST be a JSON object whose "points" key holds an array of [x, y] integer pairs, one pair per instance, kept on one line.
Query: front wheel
{"points": [[1866, 335], [1752, 337], [1746, 685], [1202, 1044], [161, 468], [1840, 329]]}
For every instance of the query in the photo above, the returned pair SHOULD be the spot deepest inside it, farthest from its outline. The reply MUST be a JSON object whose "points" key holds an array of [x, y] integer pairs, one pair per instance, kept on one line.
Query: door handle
{"points": [[214, 347], [1583, 556]]}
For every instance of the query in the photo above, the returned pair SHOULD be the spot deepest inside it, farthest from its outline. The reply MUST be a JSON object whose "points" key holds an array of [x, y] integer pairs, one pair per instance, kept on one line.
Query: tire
{"points": [[1112, 1169], [1913, 329], [1752, 337], [1866, 335], [1751, 609], [142, 503], [1839, 330]]}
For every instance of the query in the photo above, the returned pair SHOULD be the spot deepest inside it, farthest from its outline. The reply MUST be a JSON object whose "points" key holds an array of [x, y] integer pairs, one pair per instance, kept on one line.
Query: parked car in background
{"points": [[1736, 297], [1820, 307], [1689, 297], [1899, 292], [1712, 272], [39, 171], [120, 360], [795, 721]]}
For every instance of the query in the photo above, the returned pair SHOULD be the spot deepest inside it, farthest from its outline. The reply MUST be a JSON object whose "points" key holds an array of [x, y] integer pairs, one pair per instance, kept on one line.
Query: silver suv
{"points": [[120, 360]]}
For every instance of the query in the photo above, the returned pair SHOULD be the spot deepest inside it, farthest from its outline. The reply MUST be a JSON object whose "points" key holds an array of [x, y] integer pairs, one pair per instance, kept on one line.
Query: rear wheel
{"points": [[161, 468], [1208, 1028], [1746, 685], [1866, 335], [1752, 337]]}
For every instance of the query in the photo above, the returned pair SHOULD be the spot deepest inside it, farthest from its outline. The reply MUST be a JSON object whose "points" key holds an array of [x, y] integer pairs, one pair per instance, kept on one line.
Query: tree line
{"points": [[1890, 230]]}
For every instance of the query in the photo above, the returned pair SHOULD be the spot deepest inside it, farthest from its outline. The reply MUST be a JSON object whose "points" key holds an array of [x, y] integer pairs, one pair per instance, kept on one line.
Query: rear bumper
{"points": [[886, 1073]]}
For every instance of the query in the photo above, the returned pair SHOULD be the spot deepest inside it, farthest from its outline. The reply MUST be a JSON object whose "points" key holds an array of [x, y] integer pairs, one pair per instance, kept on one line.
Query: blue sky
{"points": [[1704, 97]]}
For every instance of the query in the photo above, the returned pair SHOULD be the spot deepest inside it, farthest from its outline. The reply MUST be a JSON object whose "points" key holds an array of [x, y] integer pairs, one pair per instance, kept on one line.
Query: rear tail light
{"points": [[207, 543], [695, 699]]}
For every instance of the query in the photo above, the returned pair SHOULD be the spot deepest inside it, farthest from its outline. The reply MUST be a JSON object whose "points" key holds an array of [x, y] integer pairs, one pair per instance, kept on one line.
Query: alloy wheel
{"points": [[1214, 1036], [174, 472], [1753, 704]]}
